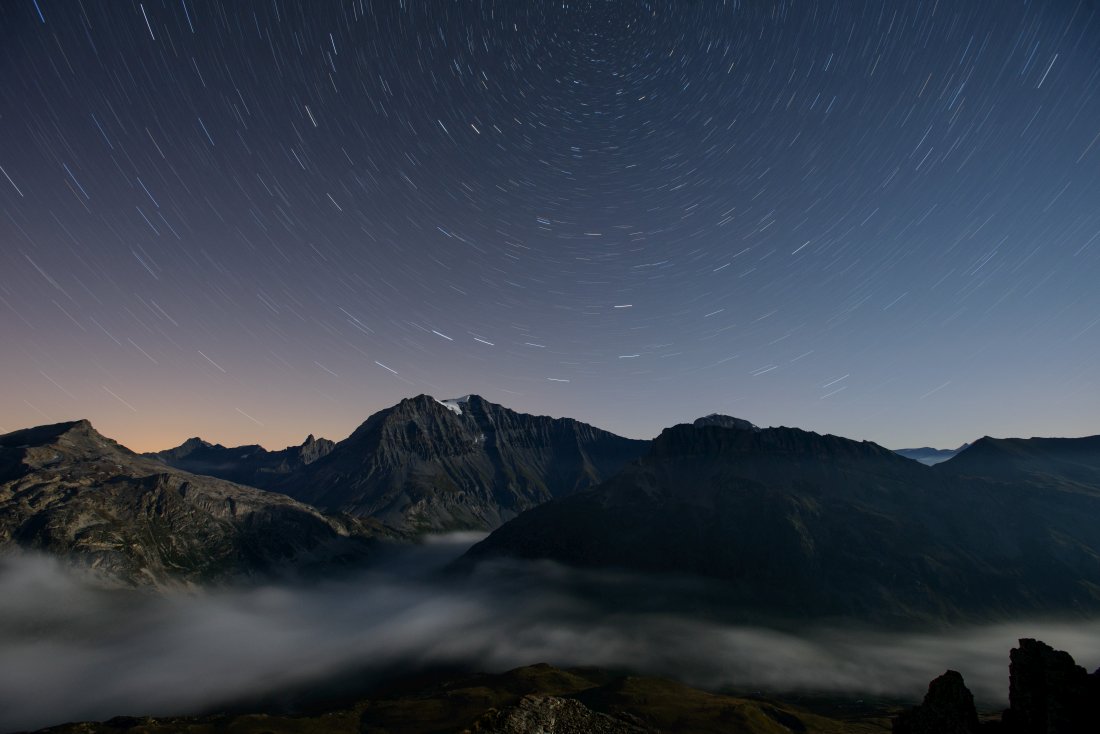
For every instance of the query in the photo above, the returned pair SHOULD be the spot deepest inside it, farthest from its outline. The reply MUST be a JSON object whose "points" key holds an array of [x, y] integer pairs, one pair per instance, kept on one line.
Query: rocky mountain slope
{"points": [[69, 491], [797, 524], [427, 465], [252, 465]]}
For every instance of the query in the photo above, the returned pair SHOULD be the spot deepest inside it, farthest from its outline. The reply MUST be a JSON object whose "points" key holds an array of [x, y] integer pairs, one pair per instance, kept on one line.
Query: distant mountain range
{"points": [[929, 456], [67, 490], [252, 465], [797, 524]]}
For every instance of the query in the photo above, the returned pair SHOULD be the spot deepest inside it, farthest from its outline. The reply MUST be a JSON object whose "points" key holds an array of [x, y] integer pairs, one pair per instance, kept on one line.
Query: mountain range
{"points": [[792, 524], [426, 465], [252, 465]]}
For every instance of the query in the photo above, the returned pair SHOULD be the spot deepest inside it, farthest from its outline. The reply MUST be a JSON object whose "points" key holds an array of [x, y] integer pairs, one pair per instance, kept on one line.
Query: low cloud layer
{"points": [[70, 651]]}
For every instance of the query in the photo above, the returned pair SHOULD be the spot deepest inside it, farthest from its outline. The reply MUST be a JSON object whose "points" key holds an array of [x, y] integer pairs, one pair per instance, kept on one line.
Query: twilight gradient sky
{"points": [[254, 220]]}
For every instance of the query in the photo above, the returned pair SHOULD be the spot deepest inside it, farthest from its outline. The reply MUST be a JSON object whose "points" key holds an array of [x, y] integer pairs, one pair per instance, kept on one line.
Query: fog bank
{"points": [[70, 651]]}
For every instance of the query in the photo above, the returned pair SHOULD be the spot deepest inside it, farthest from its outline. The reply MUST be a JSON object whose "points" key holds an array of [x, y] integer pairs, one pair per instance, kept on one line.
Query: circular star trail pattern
{"points": [[255, 220]]}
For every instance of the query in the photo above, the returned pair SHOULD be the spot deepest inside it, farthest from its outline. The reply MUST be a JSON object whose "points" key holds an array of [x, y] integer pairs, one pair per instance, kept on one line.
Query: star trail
{"points": [[254, 220]]}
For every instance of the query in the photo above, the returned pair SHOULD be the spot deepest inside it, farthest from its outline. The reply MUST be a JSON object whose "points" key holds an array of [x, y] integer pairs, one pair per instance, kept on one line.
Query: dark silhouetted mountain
{"points": [[67, 490], [429, 465], [929, 456], [798, 524], [1069, 464], [252, 465], [948, 708]]}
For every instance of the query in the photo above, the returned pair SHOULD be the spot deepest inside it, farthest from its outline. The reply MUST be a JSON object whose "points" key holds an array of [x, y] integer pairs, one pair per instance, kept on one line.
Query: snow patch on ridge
{"points": [[454, 404]]}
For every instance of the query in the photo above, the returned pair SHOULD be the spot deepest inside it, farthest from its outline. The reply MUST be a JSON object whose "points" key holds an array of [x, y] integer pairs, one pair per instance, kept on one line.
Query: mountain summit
{"points": [[466, 463], [724, 421]]}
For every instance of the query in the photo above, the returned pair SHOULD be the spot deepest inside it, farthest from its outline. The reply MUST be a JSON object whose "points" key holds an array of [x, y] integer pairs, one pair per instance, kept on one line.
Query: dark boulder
{"points": [[948, 708]]}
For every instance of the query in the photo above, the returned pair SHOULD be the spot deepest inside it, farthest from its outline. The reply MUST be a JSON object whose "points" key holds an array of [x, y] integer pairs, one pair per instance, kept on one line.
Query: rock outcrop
{"points": [[1049, 693], [948, 708], [552, 715]]}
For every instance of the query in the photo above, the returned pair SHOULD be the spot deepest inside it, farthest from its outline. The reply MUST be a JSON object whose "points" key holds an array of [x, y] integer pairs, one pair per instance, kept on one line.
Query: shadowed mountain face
{"points": [[929, 456], [67, 490], [252, 465], [426, 465], [803, 525]]}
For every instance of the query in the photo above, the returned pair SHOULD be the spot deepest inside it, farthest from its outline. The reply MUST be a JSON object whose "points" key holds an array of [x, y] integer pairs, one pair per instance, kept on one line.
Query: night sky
{"points": [[250, 221]]}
